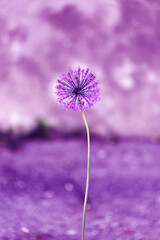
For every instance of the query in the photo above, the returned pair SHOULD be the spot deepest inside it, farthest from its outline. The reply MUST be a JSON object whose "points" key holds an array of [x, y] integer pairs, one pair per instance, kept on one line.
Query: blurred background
{"points": [[118, 40], [42, 183]]}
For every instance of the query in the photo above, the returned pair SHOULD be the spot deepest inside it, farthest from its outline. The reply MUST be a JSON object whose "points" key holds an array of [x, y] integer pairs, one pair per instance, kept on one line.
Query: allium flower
{"points": [[78, 89]]}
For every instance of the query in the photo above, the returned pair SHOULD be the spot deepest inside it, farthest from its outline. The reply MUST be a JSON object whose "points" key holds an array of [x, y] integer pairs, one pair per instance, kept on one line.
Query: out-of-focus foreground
{"points": [[42, 190]]}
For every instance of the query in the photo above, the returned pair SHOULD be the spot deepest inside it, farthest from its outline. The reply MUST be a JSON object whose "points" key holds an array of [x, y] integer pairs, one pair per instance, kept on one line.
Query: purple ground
{"points": [[42, 188]]}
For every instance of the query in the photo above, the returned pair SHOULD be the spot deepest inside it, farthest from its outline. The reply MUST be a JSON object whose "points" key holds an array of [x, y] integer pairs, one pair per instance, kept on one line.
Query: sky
{"points": [[118, 40]]}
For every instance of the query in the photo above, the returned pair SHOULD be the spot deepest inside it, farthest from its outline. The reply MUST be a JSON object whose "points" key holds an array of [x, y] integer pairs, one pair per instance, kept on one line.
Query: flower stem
{"points": [[87, 182]]}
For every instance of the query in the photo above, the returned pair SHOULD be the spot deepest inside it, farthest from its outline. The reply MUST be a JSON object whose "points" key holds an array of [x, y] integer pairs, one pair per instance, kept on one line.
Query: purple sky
{"points": [[119, 40]]}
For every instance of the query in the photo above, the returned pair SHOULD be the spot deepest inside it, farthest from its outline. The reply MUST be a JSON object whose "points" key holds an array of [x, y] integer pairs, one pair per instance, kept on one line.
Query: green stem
{"points": [[87, 182]]}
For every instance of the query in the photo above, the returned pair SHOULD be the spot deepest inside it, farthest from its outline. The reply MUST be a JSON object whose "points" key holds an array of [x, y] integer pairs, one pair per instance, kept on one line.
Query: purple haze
{"points": [[119, 40]]}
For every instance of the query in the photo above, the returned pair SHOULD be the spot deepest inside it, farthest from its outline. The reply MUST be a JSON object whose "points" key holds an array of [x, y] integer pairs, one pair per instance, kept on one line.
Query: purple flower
{"points": [[78, 89]]}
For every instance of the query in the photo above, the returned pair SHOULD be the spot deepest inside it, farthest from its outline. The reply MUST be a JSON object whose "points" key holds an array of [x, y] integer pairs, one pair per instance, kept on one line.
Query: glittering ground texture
{"points": [[42, 189]]}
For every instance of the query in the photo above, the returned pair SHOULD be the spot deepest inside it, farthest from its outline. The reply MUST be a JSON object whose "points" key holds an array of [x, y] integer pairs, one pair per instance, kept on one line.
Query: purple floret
{"points": [[78, 89]]}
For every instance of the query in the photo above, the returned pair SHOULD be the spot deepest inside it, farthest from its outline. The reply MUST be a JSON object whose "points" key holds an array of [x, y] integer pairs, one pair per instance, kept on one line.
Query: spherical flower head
{"points": [[78, 89]]}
